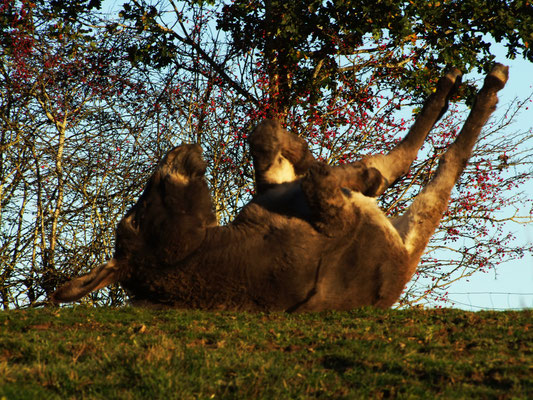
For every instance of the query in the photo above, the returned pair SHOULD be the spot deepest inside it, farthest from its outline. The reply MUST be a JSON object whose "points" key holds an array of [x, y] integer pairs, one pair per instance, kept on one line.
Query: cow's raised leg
{"points": [[418, 223], [167, 223], [175, 208], [325, 189], [279, 156], [397, 162]]}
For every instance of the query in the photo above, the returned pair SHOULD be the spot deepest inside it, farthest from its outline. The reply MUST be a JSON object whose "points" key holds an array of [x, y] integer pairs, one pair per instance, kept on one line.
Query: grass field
{"points": [[133, 353]]}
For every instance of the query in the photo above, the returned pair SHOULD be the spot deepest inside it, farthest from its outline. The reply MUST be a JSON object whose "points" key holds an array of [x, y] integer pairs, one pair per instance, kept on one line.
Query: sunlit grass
{"points": [[132, 353]]}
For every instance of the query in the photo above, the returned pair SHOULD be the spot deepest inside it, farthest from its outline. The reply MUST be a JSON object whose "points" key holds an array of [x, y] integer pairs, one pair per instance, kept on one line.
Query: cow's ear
{"points": [[374, 181], [99, 277]]}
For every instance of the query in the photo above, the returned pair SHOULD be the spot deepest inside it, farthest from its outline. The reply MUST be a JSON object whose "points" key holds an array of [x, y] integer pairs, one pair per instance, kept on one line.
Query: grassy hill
{"points": [[133, 353]]}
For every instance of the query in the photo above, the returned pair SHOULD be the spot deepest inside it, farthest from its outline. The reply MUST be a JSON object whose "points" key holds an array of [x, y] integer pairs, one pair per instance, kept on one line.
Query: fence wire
{"points": [[525, 301]]}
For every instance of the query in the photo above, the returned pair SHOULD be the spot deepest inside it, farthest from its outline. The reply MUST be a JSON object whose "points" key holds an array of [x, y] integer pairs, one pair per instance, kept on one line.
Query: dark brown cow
{"points": [[312, 239]]}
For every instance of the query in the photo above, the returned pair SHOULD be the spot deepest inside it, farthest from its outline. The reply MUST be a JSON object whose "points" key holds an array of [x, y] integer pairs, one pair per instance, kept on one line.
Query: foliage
{"points": [[135, 353], [301, 45], [66, 166], [89, 103]]}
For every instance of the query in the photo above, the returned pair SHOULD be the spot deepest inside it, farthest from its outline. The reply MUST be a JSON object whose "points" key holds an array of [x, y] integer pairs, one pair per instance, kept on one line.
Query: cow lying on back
{"points": [[312, 238]]}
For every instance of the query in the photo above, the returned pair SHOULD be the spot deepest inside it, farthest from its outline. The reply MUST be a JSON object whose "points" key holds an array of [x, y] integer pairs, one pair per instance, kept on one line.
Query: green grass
{"points": [[134, 353]]}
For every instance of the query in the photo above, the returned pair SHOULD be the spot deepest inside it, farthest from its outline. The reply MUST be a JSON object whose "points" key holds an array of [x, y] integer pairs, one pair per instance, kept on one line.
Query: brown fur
{"points": [[312, 239]]}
